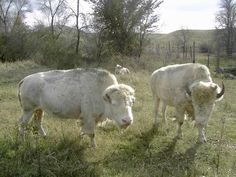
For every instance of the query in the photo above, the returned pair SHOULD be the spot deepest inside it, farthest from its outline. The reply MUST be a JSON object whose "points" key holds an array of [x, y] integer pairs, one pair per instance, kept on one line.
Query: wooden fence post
{"points": [[208, 59], [193, 51]]}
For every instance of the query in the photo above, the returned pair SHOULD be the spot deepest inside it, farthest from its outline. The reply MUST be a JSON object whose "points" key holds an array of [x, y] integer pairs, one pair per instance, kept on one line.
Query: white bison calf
{"points": [[87, 94], [188, 88], [120, 70]]}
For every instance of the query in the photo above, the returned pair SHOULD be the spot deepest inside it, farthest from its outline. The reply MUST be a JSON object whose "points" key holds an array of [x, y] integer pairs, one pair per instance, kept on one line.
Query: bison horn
{"points": [[221, 92]]}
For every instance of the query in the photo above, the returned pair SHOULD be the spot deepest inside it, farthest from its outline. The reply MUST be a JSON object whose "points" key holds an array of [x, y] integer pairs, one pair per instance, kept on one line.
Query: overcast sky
{"points": [[174, 14], [191, 14]]}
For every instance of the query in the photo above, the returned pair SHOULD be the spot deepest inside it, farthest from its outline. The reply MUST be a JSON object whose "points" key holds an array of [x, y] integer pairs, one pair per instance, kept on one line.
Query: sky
{"points": [[174, 14], [187, 14]]}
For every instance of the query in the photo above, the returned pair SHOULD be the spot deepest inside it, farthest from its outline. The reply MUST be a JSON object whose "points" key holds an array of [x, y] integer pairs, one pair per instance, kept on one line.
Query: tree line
{"points": [[226, 27], [113, 27]]}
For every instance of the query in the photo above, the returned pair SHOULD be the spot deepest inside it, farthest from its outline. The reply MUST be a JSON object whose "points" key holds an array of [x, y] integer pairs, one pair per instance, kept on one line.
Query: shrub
{"points": [[204, 48]]}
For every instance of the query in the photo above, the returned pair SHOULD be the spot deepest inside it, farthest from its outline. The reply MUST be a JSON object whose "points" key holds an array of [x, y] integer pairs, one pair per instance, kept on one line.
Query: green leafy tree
{"points": [[125, 23], [148, 21], [13, 31]]}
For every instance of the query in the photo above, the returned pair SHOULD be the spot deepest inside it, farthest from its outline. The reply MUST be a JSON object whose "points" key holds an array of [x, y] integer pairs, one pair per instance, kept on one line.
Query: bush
{"points": [[55, 55], [204, 48]]}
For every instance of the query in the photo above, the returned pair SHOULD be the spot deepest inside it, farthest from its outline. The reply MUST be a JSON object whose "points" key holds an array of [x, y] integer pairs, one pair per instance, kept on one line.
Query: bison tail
{"points": [[19, 94]]}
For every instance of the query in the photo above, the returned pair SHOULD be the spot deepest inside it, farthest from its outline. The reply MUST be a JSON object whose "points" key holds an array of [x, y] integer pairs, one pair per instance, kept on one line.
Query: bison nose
{"points": [[127, 121]]}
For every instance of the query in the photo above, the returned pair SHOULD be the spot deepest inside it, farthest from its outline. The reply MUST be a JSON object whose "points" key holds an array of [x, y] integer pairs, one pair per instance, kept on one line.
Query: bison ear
{"points": [[107, 98], [213, 87]]}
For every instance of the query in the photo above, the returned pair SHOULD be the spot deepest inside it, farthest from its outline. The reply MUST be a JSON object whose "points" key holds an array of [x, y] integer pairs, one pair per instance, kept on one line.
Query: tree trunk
{"points": [[78, 30], [218, 60], [141, 38], [194, 60], [52, 27]]}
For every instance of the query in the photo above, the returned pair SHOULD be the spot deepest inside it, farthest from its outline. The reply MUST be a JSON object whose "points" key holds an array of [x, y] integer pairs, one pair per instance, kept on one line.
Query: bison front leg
{"points": [[180, 120], [201, 133], [92, 140], [88, 128]]}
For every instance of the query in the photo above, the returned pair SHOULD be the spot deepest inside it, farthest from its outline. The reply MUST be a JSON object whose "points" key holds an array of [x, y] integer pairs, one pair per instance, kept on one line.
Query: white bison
{"points": [[120, 70], [190, 89], [90, 95]]}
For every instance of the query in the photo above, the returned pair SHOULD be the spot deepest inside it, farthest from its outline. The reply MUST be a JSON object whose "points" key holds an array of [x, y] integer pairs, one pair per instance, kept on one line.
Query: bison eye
{"points": [[131, 101]]}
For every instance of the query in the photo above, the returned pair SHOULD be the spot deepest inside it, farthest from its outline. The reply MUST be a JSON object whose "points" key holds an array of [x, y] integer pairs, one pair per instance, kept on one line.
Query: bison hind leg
{"points": [[156, 104], [24, 121], [164, 120], [38, 116]]}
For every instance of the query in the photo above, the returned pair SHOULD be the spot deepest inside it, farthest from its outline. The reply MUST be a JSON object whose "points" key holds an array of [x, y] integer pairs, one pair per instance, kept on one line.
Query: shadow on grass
{"points": [[41, 158], [142, 157]]}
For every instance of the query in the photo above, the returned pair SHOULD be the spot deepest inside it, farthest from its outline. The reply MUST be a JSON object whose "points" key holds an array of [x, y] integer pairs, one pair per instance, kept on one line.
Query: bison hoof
{"points": [[201, 141], [93, 145], [179, 136], [155, 125]]}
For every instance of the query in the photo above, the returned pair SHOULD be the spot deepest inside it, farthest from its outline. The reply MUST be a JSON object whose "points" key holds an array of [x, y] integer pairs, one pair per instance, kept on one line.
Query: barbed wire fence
{"points": [[214, 58], [172, 52]]}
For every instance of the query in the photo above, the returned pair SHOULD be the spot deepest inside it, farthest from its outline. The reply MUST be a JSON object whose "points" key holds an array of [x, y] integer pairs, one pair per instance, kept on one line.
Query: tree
{"points": [[21, 7], [80, 24], [54, 48], [147, 21], [182, 38], [77, 28], [14, 32], [5, 7], [226, 20], [57, 13], [12, 13], [125, 22]]}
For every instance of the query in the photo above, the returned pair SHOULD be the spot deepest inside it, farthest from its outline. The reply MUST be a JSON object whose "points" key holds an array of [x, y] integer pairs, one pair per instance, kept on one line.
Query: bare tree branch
{"points": [[57, 14], [5, 6]]}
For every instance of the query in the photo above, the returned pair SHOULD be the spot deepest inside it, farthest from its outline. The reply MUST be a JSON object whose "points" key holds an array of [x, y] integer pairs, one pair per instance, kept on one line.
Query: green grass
{"points": [[139, 151]]}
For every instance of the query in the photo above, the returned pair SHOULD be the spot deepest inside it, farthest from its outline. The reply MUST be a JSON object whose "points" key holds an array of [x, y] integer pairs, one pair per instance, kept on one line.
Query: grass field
{"points": [[138, 152]]}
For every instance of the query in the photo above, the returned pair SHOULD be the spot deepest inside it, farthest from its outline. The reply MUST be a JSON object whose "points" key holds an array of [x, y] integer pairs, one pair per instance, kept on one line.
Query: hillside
{"points": [[164, 45], [199, 36]]}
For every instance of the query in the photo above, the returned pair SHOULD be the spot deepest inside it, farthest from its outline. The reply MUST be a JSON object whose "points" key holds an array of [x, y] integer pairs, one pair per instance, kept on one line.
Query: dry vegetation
{"points": [[139, 151]]}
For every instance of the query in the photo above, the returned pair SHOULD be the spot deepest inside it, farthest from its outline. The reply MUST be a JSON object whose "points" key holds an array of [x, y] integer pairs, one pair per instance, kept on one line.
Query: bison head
{"points": [[203, 96], [119, 100]]}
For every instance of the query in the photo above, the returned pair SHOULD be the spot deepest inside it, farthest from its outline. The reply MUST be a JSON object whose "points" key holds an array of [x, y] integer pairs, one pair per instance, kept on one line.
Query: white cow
{"points": [[120, 70], [87, 94], [190, 89]]}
